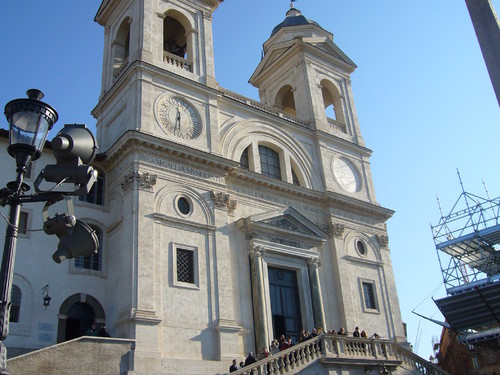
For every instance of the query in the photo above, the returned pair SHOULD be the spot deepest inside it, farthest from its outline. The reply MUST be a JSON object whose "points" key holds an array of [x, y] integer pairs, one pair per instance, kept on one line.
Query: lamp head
{"points": [[29, 122]]}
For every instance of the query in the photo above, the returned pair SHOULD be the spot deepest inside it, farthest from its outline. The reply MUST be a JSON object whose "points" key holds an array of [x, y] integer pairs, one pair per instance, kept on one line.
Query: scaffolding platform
{"points": [[467, 243]]}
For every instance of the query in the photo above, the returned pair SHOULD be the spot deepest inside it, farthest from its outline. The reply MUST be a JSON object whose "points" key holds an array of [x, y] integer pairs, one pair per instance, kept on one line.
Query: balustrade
{"points": [[336, 125], [330, 347], [177, 61]]}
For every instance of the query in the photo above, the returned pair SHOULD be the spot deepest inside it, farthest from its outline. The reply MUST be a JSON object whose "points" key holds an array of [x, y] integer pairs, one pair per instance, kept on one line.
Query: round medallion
{"points": [[346, 175], [178, 118]]}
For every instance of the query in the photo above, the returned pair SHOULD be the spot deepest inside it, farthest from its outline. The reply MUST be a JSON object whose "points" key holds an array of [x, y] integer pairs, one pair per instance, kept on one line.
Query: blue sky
{"points": [[424, 100]]}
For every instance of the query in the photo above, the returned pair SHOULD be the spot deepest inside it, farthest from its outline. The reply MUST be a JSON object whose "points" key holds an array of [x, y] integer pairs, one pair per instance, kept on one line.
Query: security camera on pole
{"points": [[74, 148]]}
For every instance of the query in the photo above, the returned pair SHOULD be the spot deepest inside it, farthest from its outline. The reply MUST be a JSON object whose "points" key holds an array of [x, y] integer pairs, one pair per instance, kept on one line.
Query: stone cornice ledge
{"points": [[138, 315], [352, 259], [228, 326], [131, 139], [344, 202], [167, 219]]}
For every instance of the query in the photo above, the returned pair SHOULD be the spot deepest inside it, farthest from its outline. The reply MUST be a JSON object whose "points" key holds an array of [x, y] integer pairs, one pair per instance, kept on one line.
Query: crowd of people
{"points": [[286, 342]]}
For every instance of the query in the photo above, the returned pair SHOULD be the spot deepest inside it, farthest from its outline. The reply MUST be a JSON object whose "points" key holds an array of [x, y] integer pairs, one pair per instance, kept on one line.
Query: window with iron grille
{"points": [[96, 194], [269, 162], [185, 266], [369, 296], [15, 308], [94, 261]]}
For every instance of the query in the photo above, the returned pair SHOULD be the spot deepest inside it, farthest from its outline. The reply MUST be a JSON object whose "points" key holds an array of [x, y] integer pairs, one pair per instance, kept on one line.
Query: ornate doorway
{"points": [[285, 306]]}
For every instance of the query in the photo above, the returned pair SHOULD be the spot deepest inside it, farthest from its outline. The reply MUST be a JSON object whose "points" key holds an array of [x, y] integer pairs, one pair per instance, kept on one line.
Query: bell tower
{"points": [[146, 44], [305, 74]]}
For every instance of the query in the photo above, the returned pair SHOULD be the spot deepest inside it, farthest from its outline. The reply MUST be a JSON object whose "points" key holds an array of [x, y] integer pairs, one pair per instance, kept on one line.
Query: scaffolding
{"points": [[467, 243]]}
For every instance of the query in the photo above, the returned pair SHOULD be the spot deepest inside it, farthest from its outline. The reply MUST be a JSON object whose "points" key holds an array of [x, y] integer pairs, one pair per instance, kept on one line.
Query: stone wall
{"points": [[85, 355]]}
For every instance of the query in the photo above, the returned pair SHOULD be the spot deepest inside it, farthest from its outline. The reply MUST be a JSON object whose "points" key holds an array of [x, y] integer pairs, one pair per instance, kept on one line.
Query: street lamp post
{"points": [[30, 119]]}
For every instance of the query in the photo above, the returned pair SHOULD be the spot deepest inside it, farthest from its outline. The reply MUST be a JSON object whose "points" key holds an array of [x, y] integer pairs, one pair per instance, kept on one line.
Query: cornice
{"points": [[133, 140], [139, 66], [347, 203], [320, 135]]}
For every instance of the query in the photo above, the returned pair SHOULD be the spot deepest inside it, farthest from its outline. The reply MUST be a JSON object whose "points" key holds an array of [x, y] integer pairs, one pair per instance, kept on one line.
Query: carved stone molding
{"points": [[382, 239], [142, 180], [223, 201], [256, 251], [338, 230], [314, 262], [207, 15]]}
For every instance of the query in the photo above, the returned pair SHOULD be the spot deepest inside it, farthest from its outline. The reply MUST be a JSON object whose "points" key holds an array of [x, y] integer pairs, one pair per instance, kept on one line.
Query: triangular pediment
{"points": [[281, 53], [287, 227]]}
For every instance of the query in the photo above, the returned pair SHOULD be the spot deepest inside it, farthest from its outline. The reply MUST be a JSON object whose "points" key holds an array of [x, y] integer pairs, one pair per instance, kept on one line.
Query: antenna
{"points": [[439, 205]]}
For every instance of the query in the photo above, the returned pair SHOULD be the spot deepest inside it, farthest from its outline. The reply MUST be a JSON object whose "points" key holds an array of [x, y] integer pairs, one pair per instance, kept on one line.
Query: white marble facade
{"points": [[190, 229]]}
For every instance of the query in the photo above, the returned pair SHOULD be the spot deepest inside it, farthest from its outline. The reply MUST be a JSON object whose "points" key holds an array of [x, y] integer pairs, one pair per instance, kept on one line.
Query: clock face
{"points": [[346, 175], [178, 118]]}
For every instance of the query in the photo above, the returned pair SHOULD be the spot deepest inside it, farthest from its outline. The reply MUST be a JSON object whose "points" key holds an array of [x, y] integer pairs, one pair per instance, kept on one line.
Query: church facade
{"points": [[223, 222]]}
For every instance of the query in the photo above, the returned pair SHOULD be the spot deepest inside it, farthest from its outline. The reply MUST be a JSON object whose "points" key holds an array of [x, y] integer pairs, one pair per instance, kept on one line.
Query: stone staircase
{"points": [[350, 352], [84, 355]]}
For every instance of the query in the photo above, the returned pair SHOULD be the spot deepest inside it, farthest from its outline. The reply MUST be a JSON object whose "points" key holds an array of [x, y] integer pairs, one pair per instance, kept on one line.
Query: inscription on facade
{"points": [[272, 198], [180, 168]]}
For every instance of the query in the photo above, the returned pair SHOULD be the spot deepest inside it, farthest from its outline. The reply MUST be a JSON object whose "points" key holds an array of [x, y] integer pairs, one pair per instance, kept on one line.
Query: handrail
{"points": [[330, 348]]}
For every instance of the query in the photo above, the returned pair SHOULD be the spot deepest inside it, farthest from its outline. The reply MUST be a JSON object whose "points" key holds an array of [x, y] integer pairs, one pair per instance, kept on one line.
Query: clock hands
{"points": [[178, 120]]}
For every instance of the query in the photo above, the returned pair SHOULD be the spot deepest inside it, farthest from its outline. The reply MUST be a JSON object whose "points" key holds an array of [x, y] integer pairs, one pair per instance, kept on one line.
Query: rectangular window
{"points": [[185, 262], [23, 223], [185, 266], [269, 162], [369, 295]]}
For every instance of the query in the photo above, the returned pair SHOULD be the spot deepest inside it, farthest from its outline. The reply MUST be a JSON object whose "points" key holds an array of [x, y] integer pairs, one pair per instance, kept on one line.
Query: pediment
{"points": [[324, 48], [287, 227]]}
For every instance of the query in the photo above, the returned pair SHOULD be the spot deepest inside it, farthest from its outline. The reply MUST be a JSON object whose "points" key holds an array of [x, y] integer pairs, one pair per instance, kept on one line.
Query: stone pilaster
{"points": [[227, 327]]}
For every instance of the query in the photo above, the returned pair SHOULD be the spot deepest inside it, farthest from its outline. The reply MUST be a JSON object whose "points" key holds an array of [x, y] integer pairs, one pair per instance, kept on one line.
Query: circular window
{"points": [[346, 175], [183, 206], [360, 246]]}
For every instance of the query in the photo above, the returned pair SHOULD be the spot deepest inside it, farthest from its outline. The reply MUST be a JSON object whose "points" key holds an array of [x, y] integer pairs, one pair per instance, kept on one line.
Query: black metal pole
{"points": [[6, 276]]}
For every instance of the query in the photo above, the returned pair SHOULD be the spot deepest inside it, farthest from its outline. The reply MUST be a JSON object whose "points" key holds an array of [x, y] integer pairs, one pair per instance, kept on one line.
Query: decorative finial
{"points": [[292, 5]]}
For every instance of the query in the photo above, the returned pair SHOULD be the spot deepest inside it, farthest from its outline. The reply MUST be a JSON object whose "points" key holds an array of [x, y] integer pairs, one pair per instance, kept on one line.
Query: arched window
{"points": [[94, 261], [174, 37], [332, 100], [269, 162], [244, 161], [285, 100], [96, 194], [121, 48], [15, 308]]}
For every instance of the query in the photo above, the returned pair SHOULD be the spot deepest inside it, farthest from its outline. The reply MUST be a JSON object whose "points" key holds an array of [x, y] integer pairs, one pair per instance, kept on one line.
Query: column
{"points": [[317, 300], [259, 303]]}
